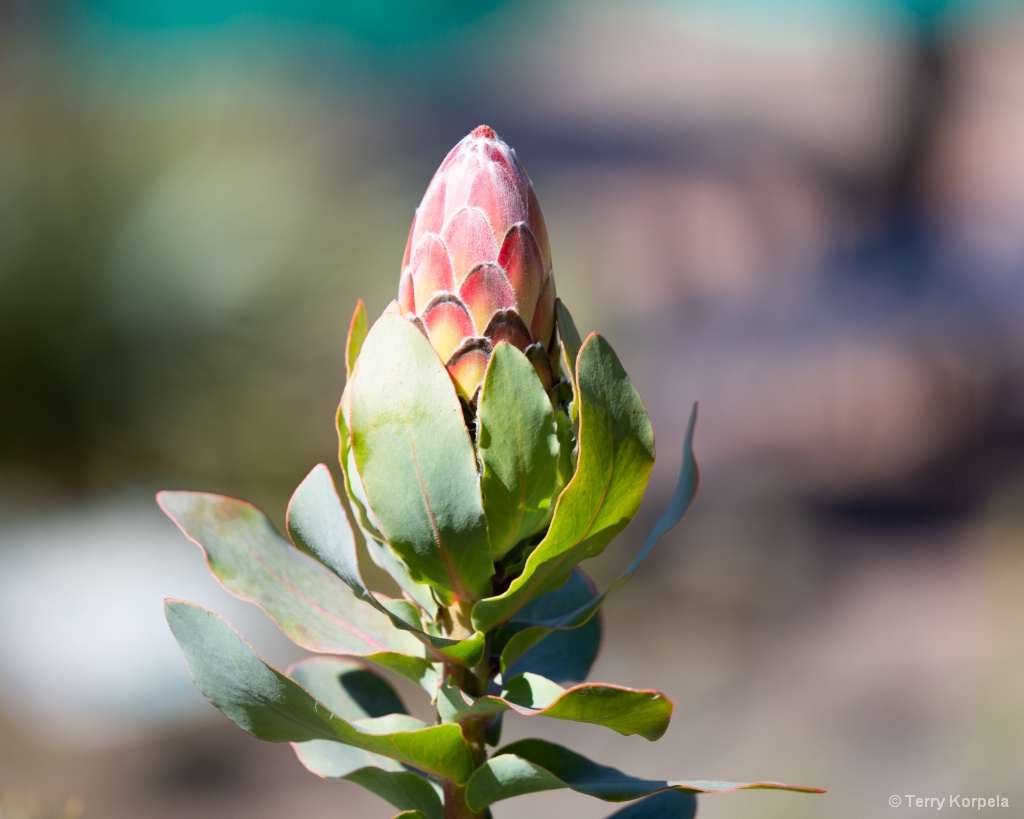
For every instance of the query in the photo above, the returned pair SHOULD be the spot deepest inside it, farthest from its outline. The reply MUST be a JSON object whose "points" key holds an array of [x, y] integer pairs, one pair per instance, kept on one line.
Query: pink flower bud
{"points": [[477, 267]]}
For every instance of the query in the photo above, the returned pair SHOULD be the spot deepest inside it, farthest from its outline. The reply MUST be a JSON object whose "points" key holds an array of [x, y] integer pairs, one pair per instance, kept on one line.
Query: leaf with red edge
{"points": [[662, 805], [269, 705], [310, 604], [625, 710], [354, 692], [532, 765]]}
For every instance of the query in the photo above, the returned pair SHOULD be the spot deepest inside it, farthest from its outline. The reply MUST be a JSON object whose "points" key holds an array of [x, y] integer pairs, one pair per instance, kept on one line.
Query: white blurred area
{"points": [[88, 657], [809, 218]]}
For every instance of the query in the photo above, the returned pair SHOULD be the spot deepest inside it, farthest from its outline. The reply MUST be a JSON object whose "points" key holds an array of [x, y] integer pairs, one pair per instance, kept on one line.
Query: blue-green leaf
{"points": [[317, 524], [569, 336], [518, 449], [416, 461], [379, 551], [616, 453], [560, 655], [354, 693], [625, 710], [662, 805], [532, 765], [356, 336], [682, 498], [269, 705], [309, 603]]}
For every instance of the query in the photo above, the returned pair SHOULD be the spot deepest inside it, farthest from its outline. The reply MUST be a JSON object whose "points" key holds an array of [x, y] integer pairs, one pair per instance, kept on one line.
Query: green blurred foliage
{"points": [[176, 276]]}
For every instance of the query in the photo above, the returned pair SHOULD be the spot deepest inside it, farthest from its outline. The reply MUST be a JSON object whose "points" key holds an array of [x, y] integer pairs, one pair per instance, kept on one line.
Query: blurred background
{"points": [[807, 215]]}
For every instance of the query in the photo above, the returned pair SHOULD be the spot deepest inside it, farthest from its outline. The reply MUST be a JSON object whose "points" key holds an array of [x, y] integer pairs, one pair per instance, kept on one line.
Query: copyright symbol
{"points": [[895, 801]]}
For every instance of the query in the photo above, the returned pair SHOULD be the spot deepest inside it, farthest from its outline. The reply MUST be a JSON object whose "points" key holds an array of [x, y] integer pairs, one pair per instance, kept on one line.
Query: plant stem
{"points": [[473, 682]]}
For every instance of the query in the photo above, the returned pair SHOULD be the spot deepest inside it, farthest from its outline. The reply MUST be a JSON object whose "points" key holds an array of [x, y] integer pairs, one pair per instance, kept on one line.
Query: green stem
{"points": [[473, 682]]}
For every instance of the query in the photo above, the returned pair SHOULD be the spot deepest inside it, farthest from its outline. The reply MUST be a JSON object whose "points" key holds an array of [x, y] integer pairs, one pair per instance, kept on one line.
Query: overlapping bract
{"points": [[477, 267], [454, 425]]}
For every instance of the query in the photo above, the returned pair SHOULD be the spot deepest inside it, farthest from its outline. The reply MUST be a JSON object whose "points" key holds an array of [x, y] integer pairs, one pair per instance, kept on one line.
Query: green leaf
{"points": [[348, 688], [354, 693], [309, 603], [267, 704], [682, 499], [678, 506], [570, 338], [518, 449], [356, 337], [416, 461], [566, 434], [624, 710], [662, 805], [379, 552], [616, 453], [318, 525], [532, 765], [560, 655]]}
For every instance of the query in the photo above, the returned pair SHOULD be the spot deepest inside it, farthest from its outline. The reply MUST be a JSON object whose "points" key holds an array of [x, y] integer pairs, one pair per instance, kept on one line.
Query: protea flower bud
{"points": [[477, 267]]}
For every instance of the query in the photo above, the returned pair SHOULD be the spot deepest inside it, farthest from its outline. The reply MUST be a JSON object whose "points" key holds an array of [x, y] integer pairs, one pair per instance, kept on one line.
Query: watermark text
{"points": [[950, 801]]}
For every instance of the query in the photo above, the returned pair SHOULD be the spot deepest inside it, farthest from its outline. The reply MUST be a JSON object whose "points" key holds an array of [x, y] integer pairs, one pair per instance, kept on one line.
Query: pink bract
{"points": [[477, 267]]}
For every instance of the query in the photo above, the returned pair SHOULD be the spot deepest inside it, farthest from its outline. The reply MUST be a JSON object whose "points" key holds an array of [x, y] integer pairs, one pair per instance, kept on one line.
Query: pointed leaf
{"points": [[505, 776], [317, 524], [624, 710], [269, 705], [353, 483], [534, 765], [348, 687], [662, 805], [682, 499], [308, 602], [379, 552], [354, 693], [570, 338], [416, 460], [402, 789], [560, 655], [518, 449], [356, 336], [616, 453]]}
